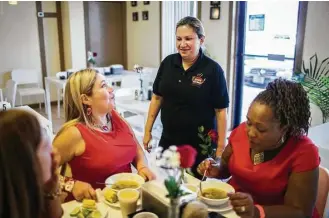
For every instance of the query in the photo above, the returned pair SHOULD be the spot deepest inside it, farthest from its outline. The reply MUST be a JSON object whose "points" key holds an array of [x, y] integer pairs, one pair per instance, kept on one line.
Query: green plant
{"points": [[315, 80], [207, 139]]}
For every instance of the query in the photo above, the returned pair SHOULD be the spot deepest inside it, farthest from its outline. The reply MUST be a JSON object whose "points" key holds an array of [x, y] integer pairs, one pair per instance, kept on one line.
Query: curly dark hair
{"points": [[290, 105]]}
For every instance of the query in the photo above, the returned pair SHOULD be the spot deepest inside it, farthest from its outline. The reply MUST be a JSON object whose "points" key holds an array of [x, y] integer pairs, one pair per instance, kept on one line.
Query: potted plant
{"points": [[91, 59], [173, 161], [315, 80]]}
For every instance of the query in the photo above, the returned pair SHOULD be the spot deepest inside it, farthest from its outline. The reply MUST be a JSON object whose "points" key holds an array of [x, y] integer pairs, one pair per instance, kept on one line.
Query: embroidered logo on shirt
{"points": [[198, 80]]}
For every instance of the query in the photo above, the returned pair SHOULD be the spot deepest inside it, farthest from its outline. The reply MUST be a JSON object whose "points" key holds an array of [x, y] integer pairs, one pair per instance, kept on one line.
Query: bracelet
{"points": [[141, 169], [261, 211]]}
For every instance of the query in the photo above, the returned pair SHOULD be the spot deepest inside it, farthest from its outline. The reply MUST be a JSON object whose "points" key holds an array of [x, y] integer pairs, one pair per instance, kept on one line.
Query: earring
{"points": [[89, 111], [282, 139]]}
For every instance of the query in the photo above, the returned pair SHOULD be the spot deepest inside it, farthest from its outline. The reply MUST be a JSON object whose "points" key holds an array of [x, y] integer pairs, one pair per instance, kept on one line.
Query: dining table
{"points": [[113, 212]]}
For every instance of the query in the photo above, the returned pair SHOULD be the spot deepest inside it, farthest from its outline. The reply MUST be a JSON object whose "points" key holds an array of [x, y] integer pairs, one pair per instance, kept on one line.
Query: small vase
{"points": [[182, 176], [91, 65], [174, 208]]}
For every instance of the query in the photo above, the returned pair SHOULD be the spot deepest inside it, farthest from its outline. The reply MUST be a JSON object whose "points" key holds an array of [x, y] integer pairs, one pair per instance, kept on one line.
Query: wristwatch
{"points": [[67, 183]]}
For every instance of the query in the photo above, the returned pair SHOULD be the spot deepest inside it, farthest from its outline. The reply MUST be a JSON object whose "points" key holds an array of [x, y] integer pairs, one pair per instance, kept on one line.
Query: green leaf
{"points": [[203, 146], [201, 136], [204, 152]]}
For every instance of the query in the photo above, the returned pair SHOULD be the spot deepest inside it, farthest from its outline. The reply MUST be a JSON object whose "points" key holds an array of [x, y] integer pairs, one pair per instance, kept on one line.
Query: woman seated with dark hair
{"points": [[273, 164], [29, 185]]}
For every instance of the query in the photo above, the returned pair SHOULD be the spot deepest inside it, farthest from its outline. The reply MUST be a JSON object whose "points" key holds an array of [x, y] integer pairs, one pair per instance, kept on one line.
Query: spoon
{"points": [[203, 177]]}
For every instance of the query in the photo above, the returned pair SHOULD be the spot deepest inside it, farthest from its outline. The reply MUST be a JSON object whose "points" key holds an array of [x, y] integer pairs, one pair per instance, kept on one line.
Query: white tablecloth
{"points": [[116, 213]]}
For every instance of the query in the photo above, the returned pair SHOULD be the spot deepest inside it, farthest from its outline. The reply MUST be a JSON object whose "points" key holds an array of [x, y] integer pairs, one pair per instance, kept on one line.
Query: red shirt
{"points": [[105, 153], [267, 182]]}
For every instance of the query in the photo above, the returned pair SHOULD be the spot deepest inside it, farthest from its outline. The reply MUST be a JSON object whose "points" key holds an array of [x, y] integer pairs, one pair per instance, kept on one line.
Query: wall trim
{"points": [[301, 25], [58, 16]]}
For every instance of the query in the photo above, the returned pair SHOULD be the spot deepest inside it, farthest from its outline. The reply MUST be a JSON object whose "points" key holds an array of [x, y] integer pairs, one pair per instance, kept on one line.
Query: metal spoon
{"points": [[203, 177]]}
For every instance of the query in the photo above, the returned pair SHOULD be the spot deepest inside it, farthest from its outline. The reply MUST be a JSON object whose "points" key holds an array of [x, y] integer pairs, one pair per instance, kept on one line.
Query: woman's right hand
{"points": [[83, 190], [146, 141], [211, 166]]}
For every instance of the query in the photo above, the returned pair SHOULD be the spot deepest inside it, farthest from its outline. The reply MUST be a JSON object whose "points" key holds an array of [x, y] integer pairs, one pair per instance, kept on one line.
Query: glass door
{"points": [[269, 47]]}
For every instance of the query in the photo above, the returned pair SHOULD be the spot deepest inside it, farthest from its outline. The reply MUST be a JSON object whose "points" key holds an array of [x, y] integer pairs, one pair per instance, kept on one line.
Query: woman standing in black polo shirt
{"points": [[190, 89]]}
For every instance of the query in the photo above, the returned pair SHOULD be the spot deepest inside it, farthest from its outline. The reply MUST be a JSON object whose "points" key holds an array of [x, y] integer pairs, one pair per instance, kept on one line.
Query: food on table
{"points": [[122, 184], [89, 204], [87, 210], [214, 193], [110, 196]]}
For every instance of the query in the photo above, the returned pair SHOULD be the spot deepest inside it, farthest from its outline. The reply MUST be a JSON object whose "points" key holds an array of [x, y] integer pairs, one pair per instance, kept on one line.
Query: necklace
{"points": [[105, 127], [258, 158]]}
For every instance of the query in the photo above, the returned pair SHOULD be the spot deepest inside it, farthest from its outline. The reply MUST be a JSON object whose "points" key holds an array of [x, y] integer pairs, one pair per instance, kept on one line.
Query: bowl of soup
{"points": [[214, 192], [121, 181]]}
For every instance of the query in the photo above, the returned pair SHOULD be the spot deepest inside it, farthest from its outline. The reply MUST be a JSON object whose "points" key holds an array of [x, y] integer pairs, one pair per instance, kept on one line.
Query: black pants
{"points": [[192, 140]]}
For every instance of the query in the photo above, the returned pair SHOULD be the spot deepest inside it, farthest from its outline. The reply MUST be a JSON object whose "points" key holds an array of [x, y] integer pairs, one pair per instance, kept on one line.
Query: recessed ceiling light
{"points": [[12, 2]]}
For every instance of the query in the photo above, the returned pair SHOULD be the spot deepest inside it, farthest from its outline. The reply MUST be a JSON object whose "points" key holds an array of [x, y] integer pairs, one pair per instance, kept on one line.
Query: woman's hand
{"points": [[146, 173], [52, 184], [146, 141], [242, 204], [211, 166], [83, 190]]}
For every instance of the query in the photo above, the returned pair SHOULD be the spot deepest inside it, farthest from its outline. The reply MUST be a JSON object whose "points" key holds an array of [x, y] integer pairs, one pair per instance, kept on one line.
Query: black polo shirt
{"points": [[189, 97]]}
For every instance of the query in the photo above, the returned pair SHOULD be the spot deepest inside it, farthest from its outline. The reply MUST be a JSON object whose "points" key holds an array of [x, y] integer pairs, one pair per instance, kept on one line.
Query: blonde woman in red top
{"points": [[273, 164], [95, 141]]}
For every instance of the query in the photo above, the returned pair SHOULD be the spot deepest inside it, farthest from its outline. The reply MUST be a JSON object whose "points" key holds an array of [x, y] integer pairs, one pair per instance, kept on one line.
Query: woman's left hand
{"points": [[146, 173], [242, 204], [53, 183]]}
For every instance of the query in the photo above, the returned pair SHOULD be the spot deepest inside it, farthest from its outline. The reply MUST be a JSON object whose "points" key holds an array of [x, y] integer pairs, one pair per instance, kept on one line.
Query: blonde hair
{"points": [[79, 83]]}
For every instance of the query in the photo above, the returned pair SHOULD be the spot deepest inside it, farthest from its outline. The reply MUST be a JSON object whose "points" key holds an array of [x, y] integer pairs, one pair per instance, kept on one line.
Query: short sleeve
{"points": [[156, 84], [306, 159], [219, 97]]}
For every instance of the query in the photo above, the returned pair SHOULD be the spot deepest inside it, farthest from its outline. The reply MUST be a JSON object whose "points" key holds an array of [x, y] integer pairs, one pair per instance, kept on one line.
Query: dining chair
{"points": [[322, 202], [28, 77], [10, 92]]}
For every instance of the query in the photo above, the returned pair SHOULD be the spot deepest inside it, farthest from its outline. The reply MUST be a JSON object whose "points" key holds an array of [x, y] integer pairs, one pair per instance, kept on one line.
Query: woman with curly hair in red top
{"points": [[273, 164]]}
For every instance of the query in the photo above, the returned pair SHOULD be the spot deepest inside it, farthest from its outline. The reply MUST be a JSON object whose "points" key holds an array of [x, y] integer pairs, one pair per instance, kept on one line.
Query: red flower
{"points": [[213, 135], [187, 155], [94, 54]]}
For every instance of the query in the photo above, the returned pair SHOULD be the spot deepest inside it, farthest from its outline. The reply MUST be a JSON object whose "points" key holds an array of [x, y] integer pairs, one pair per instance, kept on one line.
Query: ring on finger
{"points": [[242, 209]]}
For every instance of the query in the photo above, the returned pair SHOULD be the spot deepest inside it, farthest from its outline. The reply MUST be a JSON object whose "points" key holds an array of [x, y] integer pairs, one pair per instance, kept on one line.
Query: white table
{"points": [[60, 85], [134, 106], [116, 213]]}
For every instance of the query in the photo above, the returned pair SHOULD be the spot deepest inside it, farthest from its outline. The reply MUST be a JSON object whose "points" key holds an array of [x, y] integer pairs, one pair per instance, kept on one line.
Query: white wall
{"points": [[317, 30], [77, 34], [19, 41], [316, 41], [66, 34], [216, 32], [143, 37]]}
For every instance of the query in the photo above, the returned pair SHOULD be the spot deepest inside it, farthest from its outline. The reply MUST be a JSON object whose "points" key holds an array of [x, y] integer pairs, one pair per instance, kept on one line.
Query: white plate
{"points": [[101, 198], [117, 204], [124, 176], [70, 206], [220, 209]]}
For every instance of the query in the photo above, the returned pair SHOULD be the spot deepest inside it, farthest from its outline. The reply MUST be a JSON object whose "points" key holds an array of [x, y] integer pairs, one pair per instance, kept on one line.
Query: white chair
{"points": [[10, 92], [1, 95], [31, 78]]}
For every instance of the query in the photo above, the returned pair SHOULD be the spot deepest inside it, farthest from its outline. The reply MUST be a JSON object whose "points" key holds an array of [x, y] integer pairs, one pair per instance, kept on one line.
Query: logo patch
{"points": [[198, 80]]}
